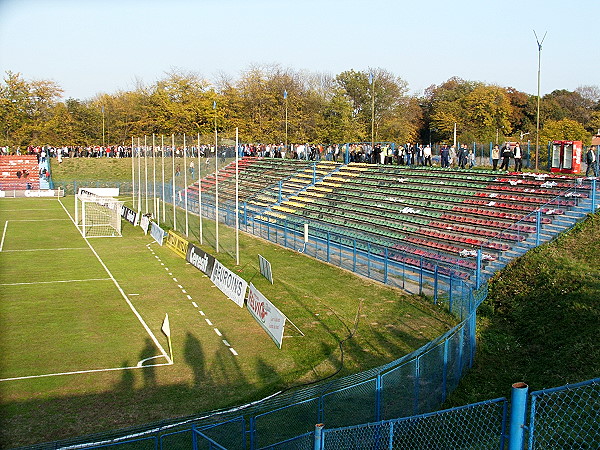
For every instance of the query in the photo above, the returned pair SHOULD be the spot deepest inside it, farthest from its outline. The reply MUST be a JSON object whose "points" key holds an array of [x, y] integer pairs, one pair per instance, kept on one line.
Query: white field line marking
{"points": [[46, 249], [195, 305], [30, 209], [233, 351], [209, 322], [76, 372], [189, 298], [175, 280], [226, 343], [55, 281], [137, 314], [38, 220], [184, 291], [3, 235], [180, 286], [201, 313], [218, 332]]}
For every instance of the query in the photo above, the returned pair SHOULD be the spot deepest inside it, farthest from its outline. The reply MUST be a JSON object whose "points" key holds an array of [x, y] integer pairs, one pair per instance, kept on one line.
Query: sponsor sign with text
{"points": [[266, 314], [229, 283]]}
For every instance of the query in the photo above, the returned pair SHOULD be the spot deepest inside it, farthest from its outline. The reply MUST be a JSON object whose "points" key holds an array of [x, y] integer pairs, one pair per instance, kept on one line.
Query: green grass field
{"points": [[81, 347]]}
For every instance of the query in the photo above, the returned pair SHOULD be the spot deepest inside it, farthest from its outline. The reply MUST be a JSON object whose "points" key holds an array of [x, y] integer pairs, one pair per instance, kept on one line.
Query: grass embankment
{"points": [[540, 322]]}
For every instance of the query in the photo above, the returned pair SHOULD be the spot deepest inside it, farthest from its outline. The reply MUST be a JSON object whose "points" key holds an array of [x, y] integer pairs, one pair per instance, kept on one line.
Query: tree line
{"points": [[270, 104]]}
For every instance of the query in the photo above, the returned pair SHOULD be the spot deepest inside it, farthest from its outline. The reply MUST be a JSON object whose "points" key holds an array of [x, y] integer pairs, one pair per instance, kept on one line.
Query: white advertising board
{"points": [[266, 314], [229, 283]]}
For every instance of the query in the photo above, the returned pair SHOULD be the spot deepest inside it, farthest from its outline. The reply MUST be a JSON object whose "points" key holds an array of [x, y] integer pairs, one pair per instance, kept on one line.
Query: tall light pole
{"points": [[372, 83], [537, 126], [103, 126], [286, 119], [216, 182]]}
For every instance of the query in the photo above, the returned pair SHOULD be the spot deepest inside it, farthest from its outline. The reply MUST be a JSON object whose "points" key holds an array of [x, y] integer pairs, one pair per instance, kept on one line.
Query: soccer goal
{"points": [[97, 216]]}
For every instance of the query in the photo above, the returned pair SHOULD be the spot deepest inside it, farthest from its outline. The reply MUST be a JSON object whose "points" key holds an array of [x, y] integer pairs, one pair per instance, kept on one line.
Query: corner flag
{"points": [[166, 328]]}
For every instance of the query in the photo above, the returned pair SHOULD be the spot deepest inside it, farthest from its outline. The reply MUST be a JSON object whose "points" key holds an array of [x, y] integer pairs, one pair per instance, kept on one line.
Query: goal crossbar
{"points": [[97, 216]]}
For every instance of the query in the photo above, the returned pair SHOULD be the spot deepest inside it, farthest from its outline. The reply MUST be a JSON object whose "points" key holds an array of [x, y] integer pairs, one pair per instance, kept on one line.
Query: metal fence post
{"points": [[538, 227], [194, 437], [378, 393], [385, 266], [594, 194], [318, 444], [279, 193], [478, 272], [518, 400], [435, 284], [252, 432], [354, 255]]}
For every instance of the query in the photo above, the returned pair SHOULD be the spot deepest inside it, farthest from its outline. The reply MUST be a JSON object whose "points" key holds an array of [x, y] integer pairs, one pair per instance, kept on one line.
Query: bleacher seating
{"points": [[423, 216], [19, 172]]}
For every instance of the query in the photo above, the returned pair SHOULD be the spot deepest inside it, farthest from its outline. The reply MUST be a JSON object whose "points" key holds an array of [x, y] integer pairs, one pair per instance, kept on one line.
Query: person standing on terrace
{"points": [[506, 155], [427, 155], [590, 160], [495, 157], [518, 155]]}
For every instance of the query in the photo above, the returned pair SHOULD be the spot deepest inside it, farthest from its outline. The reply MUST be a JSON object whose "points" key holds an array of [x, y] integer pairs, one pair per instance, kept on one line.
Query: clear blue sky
{"points": [[94, 46]]}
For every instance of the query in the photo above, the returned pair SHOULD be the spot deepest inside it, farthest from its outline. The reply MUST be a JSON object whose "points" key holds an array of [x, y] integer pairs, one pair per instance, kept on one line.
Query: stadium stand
{"points": [[423, 216], [19, 172]]}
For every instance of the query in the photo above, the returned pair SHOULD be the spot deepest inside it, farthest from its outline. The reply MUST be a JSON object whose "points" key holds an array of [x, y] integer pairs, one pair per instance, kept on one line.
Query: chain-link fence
{"points": [[566, 417]]}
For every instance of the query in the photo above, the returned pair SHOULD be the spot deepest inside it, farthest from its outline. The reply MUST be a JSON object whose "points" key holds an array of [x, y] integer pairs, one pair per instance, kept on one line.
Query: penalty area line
{"points": [[78, 372]]}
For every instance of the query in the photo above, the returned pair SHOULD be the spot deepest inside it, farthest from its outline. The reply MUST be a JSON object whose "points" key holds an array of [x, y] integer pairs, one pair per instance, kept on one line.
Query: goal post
{"points": [[97, 216]]}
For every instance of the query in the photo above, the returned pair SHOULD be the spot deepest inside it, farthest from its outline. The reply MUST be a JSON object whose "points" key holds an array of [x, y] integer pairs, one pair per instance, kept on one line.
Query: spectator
{"points": [[518, 155], [506, 155], [427, 155], [590, 160], [495, 157]]}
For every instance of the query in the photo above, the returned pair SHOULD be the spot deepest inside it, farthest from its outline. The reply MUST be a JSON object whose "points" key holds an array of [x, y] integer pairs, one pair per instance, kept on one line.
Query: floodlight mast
{"points": [[537, 127]]}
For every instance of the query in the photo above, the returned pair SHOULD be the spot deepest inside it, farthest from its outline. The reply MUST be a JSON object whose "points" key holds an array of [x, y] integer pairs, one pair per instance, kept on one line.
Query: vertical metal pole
{"points": [[173, 182], [279, 197], [478, 272], [378, 393], [538, 226], [185, 186], [162, 155], [146, 174], [594, 194], [154, 214], [328, 245], [132, 175], [237, 206], [318, 445], [216, 184], [435, 284], [200, 192], [445, 370], [385, 265], [354, 255], [139, 176], [518, 401]]}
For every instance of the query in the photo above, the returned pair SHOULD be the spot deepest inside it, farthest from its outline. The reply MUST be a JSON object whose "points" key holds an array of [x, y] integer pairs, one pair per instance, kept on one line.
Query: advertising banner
{"points": [[266, 314], [145, 223], [265, 268], [157, 233], [200, 259], [129, 215], [176, 243], [229, 283]]}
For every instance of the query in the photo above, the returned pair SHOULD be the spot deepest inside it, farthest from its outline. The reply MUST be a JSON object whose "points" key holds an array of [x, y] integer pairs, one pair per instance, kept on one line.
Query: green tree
{"points": [[564, 129]]}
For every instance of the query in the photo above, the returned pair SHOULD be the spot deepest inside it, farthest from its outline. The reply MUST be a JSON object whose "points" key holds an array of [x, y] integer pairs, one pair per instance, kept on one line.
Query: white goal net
{"points": [[97, 216]]}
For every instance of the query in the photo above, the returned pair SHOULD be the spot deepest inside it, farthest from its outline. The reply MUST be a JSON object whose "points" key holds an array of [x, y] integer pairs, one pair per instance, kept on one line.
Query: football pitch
{"points": [[81, 347]]}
